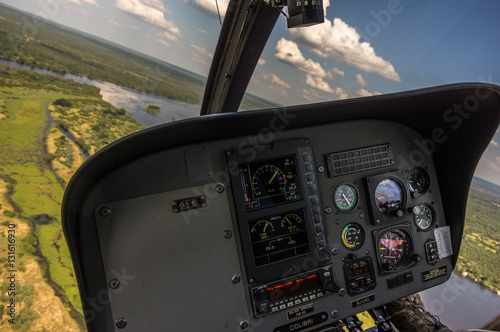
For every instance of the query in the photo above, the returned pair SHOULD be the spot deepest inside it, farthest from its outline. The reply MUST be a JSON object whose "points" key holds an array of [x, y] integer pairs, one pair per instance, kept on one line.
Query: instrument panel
{"points": [[281, 224], [319, 229]]}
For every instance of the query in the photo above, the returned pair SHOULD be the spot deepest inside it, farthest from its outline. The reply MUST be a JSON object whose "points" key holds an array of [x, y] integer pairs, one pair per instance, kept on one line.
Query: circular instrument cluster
{"points": [[345, 197], [353, 236], [424, 216], [394, 248], [389, 196], [418, 181]]}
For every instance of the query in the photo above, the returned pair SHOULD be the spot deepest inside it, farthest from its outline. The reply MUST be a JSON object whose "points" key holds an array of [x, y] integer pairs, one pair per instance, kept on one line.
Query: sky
{"points": [[364, 48]]}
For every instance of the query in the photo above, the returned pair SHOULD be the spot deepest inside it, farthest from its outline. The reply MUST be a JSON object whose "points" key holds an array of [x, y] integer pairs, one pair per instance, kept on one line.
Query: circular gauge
{"points": [[418, 181], [394, 249], [345, 197], [293, 222], [268, 180], [424, 216], [262, 230], [389, 196], [353, 236]]}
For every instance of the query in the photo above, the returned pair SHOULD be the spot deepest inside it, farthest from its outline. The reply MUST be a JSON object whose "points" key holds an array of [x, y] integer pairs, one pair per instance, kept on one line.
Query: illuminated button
{"points": [[289, 304], [274, 309], [298, 301], [305, 298], [312, 296], [319, 294], [282, 307]]}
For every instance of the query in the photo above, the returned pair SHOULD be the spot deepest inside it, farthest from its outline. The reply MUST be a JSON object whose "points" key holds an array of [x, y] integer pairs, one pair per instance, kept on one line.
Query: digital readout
{"points": [[269, 182], [293, 287], [278, 237]]}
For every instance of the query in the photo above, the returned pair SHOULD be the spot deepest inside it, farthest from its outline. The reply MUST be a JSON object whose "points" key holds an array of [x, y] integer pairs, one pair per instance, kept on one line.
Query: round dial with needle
{"points": [[268, 180], [262, 230], [293, 223], [394, 249], [345, 197]]}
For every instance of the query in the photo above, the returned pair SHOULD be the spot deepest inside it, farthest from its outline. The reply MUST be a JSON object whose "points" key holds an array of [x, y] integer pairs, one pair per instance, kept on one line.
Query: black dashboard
{"points": [[279, 220]]}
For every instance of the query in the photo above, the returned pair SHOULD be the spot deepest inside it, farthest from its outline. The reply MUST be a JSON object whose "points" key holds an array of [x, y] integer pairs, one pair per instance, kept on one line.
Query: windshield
{"points": [[134, 64]]}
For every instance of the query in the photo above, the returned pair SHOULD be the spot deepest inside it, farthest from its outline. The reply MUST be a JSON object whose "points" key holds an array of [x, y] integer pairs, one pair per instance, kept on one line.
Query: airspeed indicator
{"points": [[345, 197]]}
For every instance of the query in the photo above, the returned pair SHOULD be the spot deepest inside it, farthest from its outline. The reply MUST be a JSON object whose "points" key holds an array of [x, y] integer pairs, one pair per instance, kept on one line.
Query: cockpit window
{"points": [[370, 48]]}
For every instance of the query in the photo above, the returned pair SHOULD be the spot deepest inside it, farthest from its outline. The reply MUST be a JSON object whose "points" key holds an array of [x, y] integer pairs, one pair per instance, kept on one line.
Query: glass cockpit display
{"points": [[278, 237], [270, 182]]}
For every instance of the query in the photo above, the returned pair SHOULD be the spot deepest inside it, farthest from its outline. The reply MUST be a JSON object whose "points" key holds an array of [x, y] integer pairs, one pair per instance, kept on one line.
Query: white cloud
{"points": [[168, 35], [338, 72], [116, 24], [342, 43], [361, 81], [163, 42], [494, 144], [318, 83], [202, 50], [310, 95], [289, 53], [365, 93], [276, 80], [261, 62], [341, 93], [152, 12], [210, 6], [203, 32], [197, 58], [132, 27], [92, 2]]}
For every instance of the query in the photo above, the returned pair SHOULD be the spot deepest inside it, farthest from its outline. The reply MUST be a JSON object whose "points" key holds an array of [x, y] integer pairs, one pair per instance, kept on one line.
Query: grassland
{"points": [[37, 160], [66, 51]]}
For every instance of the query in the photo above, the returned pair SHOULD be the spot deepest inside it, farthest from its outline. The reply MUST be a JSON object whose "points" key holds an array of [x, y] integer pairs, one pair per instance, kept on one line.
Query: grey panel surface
{"points": [[161, 256], [198, 164]]}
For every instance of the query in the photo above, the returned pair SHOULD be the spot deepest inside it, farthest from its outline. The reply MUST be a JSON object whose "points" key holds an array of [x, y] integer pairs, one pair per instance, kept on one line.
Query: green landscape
{"points": [[479, 257], [50, 125], [38, 159], [64, 50]]}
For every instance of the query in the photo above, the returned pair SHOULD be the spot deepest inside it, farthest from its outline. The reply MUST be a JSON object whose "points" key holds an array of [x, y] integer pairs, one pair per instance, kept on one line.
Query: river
{"points": [[133, 101], [460, 303]]}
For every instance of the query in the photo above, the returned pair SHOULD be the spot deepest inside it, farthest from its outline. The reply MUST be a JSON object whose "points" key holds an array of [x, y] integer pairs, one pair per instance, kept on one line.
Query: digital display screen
{"points": [[270, 182], [278, 237], [293, 287]]}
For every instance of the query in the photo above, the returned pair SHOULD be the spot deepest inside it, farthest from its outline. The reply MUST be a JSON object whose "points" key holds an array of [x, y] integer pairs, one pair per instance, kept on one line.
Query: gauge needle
{"points": [[343, 195], [274, 175]]}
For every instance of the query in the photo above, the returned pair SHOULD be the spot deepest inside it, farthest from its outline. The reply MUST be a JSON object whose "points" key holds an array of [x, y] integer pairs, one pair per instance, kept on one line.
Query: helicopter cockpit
{"points": [[286, 219]]}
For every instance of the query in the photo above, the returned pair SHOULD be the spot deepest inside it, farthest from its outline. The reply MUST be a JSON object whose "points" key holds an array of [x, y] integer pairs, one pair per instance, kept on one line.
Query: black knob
{"points": [[331, 286]]}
